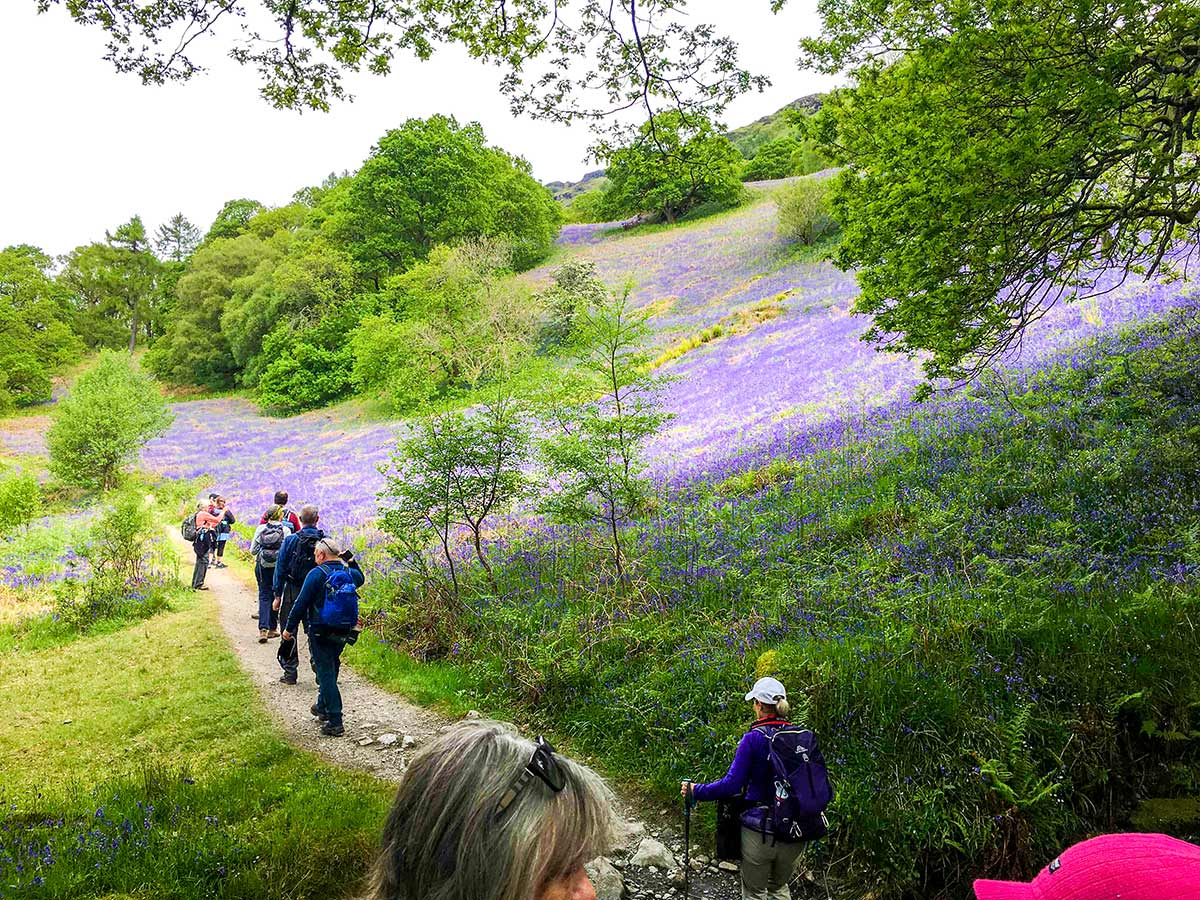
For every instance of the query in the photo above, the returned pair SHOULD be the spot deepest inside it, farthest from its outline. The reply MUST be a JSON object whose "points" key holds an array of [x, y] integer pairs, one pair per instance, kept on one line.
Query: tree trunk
{"points": [[133, 330]]}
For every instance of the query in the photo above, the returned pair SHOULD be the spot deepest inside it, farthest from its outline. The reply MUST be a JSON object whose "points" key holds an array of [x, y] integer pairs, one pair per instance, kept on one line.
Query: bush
{"points": [[20, 501], [391, 362], [804, 211], [773, 160], [310, 367], [577, 291], [113, 409], [25, 379], [132, 568]]}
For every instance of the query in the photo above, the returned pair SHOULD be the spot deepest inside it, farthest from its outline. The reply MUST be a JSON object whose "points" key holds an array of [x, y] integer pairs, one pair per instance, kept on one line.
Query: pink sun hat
{"points": [[1110, 867]]}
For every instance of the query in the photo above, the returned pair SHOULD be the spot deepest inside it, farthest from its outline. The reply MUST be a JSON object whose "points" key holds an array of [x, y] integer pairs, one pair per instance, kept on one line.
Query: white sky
{"points": [[82, 149]]}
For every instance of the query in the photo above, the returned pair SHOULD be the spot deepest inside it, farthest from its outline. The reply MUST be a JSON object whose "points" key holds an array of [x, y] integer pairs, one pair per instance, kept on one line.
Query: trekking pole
{"points": [[687, 843]]}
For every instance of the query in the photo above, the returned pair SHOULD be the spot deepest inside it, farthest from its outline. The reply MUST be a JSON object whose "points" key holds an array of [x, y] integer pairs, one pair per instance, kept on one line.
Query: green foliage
{"points": [[982, 607], [133, 568], [577, 291], [233, 219], [308, 366], [110, 412], [774, 160], [454, 321], [35, 310], [433, 182], [674, 163], [1015, 150], [176, 239], [588, 207], [115, 285], [804, 211], [20, 501], [594, 459], [455, 471]]}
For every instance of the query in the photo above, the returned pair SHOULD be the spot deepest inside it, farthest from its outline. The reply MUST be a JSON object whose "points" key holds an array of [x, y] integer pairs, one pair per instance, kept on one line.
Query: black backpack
{"points": [[302, 561], [188, 528], [270, 540]]}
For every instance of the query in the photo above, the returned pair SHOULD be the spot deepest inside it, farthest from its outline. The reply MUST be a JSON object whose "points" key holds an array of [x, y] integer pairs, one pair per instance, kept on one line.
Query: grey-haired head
{"points": [[449, 838]]}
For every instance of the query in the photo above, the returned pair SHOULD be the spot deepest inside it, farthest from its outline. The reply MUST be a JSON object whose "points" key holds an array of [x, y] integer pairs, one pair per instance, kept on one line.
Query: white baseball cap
{"points": [[767, 690]]}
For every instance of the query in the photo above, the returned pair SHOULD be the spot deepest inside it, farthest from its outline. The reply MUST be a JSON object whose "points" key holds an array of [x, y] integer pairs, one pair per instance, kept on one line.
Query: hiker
{"points": [[335, 575], [224, 529], [202, 544], [483, 813], [289, 517], [1128, 866], [265, 547], [768, 851], [212, 511], [295, 561]]}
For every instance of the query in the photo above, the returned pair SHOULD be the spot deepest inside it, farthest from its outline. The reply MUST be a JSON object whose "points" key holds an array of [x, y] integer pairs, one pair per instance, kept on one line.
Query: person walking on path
{"points": [[265, 547], [766, 865], [324, 645], [289, 517], [296, 560], [202, 544], [224, 528], [483, 813]]}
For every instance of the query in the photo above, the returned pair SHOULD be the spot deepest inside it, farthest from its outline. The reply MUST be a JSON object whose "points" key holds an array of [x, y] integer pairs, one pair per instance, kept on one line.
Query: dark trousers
{"points": [[327, 661], [267, 617], [201, 567], [288, 655], [221, 545]]}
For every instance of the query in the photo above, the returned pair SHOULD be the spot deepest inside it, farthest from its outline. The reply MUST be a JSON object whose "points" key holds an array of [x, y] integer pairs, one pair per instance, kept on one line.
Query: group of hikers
{"points": [[304, 577], [485, 814]]}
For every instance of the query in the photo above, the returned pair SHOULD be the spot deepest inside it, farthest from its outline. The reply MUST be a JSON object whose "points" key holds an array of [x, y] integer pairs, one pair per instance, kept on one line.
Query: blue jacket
{"points": [[751, 771], [286, 549], [312, 594]]}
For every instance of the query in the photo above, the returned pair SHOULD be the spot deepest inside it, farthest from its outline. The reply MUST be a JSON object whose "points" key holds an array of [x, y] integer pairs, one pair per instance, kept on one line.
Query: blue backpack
{"points": [[339, 610], [802, 788]]}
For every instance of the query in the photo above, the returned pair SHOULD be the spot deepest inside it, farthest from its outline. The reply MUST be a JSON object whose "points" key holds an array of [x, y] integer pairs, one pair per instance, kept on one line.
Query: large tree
{"points": [[559, 58], [115, 285], [1000, 154], [674, 163], [432, 182], [176, 239]]}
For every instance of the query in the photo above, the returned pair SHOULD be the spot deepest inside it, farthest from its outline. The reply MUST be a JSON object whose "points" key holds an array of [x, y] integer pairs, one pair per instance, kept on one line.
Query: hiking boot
{"points": [[219, 565], [254, 615], [262, 635], [272, 633], [316, 711], [331, 730], [203, 587], [287, 679]]}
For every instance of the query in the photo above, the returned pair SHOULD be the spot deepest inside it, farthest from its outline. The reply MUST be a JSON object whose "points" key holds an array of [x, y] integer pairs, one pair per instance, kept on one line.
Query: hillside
{"points": [[952, 590], [748, 138]]}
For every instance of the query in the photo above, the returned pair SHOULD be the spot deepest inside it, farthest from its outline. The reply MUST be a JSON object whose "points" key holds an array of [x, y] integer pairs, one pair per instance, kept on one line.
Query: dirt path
{"points": [[383, 730]]}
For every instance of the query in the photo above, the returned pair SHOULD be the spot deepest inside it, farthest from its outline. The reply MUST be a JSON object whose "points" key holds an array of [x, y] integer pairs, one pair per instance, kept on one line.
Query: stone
{"points": [[726, 865], [473, 714], [677, 877], [702, 859], [651, 852], [408, 741], [630, 834], [606, 879], [388, 739], [366, 742]]}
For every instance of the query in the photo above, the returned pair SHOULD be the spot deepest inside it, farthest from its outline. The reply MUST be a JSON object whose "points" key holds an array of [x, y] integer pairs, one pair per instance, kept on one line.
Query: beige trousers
{"points": [[766, 867]]}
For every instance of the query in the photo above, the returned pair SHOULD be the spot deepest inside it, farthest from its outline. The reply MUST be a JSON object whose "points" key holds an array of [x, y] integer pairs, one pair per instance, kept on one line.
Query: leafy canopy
{"points": [[432, 182], [637, 51], [1001, 154], [111, 411], [674, 163]]}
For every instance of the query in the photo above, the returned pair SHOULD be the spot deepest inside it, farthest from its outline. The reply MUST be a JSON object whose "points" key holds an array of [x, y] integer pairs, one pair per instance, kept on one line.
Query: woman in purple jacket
{"points": [[766, 863]]}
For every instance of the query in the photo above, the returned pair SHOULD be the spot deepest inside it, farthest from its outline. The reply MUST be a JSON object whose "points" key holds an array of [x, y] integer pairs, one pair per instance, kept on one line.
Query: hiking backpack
{"points": [[302, 560], [270, 540], [188, 528], [802, 789], [339, 611]]}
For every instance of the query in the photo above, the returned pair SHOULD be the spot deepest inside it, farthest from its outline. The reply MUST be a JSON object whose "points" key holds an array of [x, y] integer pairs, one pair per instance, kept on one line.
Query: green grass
{"points": [[984, 607], [159, 715]]}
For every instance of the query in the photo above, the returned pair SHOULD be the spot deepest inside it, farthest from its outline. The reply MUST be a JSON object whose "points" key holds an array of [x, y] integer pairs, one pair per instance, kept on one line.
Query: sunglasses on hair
{"points": [[542, 765]]}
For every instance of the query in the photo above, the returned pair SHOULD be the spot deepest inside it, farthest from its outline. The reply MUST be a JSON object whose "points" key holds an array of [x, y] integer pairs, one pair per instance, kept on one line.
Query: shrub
{"points": [[391, 360], [26, 380], [132, 568], [773, 160], [804, 211], [309, 367], [106, 417], [576, 292], [20, 501]]}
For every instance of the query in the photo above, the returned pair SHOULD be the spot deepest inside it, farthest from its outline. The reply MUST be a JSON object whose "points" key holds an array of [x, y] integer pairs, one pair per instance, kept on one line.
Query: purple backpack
{"points": [[802, 789]]}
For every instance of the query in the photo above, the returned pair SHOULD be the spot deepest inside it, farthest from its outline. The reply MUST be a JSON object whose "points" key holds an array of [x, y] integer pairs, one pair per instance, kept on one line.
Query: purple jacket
{"points": [[751, 770]]}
